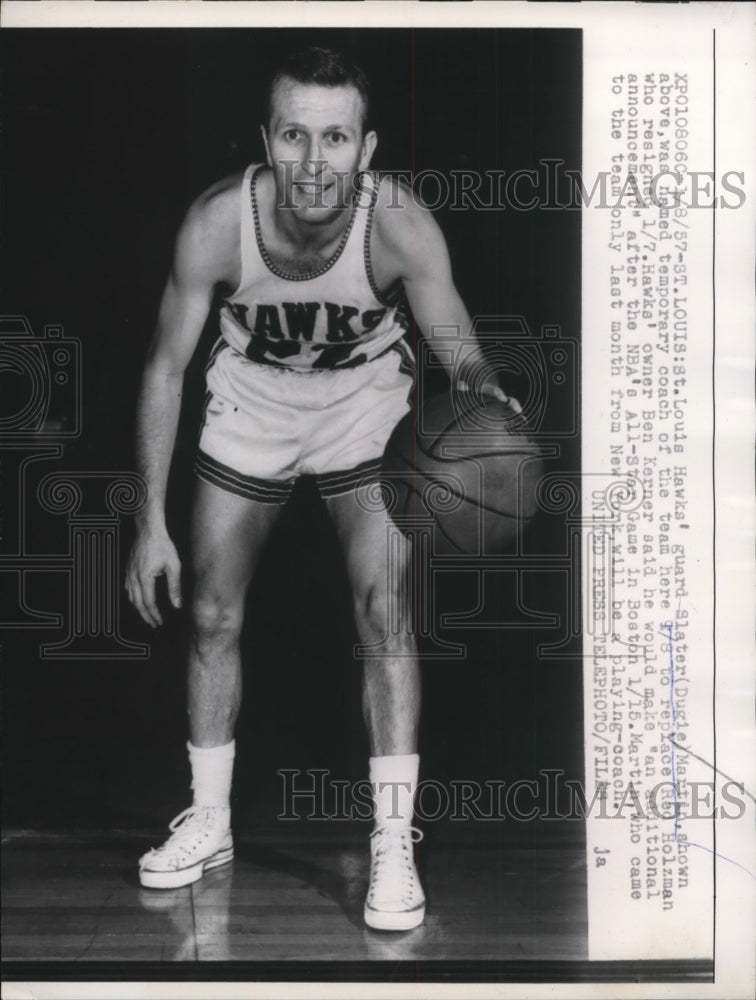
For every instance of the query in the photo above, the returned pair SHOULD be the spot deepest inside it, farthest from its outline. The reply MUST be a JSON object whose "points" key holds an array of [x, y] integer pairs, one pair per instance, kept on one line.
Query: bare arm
{"points": [[418, 246], [183, 310]]}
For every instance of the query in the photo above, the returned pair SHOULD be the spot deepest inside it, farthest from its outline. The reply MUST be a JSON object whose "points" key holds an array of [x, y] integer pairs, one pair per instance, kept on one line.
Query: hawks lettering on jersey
{"points": [[280, 333]]}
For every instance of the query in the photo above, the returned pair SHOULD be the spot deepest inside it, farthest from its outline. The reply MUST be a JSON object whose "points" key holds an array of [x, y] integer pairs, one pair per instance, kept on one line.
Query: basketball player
{"points": [[311, 254]]}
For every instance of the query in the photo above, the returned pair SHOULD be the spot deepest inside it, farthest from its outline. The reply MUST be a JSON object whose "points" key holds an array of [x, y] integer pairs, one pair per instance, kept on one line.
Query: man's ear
{"points": [[369, 143], [267, 146]]}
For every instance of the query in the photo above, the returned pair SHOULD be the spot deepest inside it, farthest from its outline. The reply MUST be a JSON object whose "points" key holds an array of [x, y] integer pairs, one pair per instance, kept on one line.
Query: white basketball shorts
{"points": [[264, 427]]}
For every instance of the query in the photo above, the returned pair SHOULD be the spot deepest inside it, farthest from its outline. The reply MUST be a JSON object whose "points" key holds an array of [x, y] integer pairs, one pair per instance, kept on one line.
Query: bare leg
{"points": [[228, 533], [377, 570]]}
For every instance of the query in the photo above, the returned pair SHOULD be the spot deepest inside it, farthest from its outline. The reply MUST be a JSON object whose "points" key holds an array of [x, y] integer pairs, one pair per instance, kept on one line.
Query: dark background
{"points": [[107, 137]]}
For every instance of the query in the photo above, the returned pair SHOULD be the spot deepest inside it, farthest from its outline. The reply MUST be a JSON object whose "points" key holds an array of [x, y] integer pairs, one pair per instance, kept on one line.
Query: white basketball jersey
{"points": [[334, 317]]}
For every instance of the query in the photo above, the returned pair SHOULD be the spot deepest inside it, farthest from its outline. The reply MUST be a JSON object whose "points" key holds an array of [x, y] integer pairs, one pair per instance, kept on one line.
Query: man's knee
{"points": [[216, 620], [380, 610]]}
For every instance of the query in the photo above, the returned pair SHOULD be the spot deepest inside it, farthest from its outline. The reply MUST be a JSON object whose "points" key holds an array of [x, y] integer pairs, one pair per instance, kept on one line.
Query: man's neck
{"points": [[310, 236]]}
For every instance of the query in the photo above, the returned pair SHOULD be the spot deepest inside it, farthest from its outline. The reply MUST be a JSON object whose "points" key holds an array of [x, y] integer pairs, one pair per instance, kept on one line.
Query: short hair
{"points": [[326, 68]]}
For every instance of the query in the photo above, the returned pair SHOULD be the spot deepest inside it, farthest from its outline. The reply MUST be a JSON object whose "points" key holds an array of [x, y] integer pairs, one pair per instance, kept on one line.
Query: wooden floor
{"points": [[290, 896]]}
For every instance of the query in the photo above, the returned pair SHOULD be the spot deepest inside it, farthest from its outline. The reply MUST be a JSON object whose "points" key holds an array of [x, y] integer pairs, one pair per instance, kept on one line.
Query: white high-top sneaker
{"points": [[395, 900], [201, 840]]}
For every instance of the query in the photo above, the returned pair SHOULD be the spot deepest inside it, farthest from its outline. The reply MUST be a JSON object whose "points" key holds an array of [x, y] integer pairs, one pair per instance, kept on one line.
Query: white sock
{"points": [[394, 780], [212, 769]]}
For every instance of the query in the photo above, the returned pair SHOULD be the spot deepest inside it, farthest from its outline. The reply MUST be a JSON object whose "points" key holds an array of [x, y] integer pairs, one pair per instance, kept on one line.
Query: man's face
{"points": [[316, 147]]}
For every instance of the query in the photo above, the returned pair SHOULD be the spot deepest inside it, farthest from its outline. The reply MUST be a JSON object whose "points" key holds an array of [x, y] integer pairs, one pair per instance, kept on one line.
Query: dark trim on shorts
{"points": [[250, 487], [334, 484]]}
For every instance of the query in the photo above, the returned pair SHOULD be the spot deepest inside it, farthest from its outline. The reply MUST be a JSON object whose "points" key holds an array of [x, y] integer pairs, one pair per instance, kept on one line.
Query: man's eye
{"points": [[291, 134], [336, 138]]}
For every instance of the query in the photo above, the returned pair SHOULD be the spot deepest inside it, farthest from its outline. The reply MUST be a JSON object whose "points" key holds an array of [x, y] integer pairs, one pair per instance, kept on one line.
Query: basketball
{"points": [[465, 466]]}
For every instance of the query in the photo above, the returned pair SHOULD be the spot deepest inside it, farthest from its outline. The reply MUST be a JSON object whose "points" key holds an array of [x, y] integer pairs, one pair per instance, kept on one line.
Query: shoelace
{"points": [[393, 856], [184, 828], [184, 817]]}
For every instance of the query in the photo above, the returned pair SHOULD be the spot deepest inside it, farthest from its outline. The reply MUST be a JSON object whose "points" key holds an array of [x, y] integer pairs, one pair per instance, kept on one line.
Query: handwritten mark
{"points": [[716, 770], [668, 628]]}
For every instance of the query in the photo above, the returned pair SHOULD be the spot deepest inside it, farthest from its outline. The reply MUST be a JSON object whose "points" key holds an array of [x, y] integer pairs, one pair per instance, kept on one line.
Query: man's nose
{"points": [[314, 162]]}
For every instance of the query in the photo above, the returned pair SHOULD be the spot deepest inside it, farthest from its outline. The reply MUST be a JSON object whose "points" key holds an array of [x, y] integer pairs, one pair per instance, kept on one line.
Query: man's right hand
{"points": [[152, 555]]}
